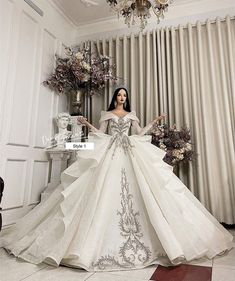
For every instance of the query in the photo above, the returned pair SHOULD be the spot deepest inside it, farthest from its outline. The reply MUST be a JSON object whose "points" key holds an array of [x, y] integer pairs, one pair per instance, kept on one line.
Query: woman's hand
{"points": [[162, 116], [82, 120]]}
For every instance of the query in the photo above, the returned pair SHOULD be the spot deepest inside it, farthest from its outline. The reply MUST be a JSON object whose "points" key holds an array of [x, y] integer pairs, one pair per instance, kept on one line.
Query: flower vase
{"points": [[76, 102], [176, 170]]}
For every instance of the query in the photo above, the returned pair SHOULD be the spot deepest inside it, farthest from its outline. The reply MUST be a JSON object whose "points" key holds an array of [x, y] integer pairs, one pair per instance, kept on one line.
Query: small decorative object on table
{"points": [[63, 119], [59, 156], [176, 143], [59, 159]]}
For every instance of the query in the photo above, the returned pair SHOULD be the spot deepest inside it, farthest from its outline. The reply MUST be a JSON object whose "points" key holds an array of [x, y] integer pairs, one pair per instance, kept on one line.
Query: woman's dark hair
{"points": [[126, 106]]}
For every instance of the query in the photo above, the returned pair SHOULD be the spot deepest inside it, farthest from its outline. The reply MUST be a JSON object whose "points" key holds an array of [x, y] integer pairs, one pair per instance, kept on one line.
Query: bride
{"points": [[118, 207]]}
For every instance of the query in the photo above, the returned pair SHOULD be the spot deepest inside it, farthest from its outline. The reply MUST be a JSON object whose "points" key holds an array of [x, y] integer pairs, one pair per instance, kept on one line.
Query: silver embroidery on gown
{"points": [[133, 249], [119, 131]]}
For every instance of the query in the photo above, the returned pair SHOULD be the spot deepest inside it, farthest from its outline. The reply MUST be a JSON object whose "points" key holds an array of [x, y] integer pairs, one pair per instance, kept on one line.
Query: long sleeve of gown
{"points": [[141, 131], [102, 128]]}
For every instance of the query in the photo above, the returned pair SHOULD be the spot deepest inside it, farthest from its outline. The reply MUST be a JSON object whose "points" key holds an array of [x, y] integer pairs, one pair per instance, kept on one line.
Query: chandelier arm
{"points": [[159, 12]]}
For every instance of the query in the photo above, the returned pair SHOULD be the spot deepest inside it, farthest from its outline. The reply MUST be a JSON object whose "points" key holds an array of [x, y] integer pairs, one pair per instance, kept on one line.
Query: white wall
{"points": [[28, 43]]}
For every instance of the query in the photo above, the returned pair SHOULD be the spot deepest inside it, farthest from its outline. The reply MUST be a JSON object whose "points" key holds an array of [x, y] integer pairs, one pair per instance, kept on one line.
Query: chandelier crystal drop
{"points": [[133, 9]]}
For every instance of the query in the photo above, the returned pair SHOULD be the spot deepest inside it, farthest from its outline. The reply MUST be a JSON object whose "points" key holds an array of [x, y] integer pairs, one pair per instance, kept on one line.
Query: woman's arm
{"points": [[103, 125], [142, 131]]}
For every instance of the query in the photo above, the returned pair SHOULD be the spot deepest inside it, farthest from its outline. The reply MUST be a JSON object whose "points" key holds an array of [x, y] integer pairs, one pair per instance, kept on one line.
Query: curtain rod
{"points": [[166, 27]]}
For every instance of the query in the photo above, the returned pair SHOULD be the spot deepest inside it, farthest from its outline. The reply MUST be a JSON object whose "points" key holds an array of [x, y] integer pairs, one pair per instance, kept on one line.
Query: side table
{"points": [[60, 159]]}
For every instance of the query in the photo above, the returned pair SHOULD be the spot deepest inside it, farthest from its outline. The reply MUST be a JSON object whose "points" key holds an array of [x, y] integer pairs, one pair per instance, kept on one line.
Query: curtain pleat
{"points": [[169, 88], [111, 62], [148, 80], [196, 171], [133, 88], [206, 138], [124, 57], [175, 78], [159, 64], [155, 103], [183, 92], [163, 67], [231, 72], [141, 79], [188, 73]]}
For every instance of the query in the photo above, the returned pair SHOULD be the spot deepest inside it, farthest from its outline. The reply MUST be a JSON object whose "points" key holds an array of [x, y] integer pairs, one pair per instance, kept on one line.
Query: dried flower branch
{"points": [[176, 143], [81, 69]]}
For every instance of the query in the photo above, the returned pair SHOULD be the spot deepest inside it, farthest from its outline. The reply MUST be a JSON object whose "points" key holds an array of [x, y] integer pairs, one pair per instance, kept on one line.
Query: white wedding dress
{"points": [[118, 207]]}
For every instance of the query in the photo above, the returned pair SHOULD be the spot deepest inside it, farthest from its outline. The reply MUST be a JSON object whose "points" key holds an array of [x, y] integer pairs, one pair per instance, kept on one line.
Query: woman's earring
{"points": [[115, 103]]}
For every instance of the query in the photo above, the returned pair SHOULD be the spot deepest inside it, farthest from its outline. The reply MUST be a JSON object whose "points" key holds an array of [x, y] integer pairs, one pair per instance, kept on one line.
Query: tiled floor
{"points": [[220, 269]]}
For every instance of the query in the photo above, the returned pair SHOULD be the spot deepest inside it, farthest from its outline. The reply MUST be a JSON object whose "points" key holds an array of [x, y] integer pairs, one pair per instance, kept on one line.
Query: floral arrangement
{"points": [[176, 143], [81, 69]]}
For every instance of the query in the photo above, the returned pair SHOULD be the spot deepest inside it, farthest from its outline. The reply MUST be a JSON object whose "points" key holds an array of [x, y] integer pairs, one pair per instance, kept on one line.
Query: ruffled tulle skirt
{"points": [[118, 209]]}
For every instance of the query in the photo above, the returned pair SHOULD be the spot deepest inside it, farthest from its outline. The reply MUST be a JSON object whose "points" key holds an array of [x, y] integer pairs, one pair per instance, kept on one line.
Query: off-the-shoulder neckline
{"points": [[119, 116]]}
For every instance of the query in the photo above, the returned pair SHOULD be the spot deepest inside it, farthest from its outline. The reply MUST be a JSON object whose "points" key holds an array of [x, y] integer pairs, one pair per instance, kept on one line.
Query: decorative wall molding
{"points": [[15, 186], [27, 108], [23, 90], [39, 180], [61, 11], [35, 7]]}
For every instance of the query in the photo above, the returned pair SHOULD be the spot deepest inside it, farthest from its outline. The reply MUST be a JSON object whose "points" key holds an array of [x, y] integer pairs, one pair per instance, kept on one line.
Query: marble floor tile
{"points": [[144, 273], [107, 276], [61, 273], [13, 269], [227, 261], [183, 273], [222, 274]]}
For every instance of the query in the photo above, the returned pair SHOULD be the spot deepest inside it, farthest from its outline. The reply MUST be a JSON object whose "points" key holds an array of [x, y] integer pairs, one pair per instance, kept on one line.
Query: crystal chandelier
{"points": [[132, 9]]}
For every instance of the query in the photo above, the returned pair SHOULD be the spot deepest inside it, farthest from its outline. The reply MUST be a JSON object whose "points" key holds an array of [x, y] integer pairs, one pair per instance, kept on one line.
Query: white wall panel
{"points": [[24, 81], [6, 13], [15, 180], [46, 97], [39, 180], [63, 100]]}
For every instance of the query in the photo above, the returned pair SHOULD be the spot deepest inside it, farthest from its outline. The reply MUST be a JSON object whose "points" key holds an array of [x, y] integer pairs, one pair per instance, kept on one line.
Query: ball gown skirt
{"points": [[118, 207]]}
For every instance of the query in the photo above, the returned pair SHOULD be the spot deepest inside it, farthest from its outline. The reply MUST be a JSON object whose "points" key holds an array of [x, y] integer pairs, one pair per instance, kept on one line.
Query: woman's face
{"points": [[121, 96]]}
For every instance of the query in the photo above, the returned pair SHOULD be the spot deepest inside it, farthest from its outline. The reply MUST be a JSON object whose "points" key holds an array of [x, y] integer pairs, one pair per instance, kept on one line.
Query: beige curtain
{"points": [[187, 72]]}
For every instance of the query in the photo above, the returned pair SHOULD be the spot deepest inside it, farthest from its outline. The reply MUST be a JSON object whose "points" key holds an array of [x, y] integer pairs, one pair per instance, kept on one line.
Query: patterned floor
{"points": [[219, 269]]}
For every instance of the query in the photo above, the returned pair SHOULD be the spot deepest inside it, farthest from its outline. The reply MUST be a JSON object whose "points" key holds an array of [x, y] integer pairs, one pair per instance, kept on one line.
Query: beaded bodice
{"points": [[118, 129], [119, 126]]}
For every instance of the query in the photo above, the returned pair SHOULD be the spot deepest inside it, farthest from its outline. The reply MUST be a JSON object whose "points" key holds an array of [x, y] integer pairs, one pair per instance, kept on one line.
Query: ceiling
{"points": [[79, 13]]}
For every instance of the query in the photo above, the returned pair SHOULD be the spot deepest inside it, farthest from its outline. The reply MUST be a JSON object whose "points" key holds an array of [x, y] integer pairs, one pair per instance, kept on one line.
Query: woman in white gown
{"points": [[118, 207]]}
